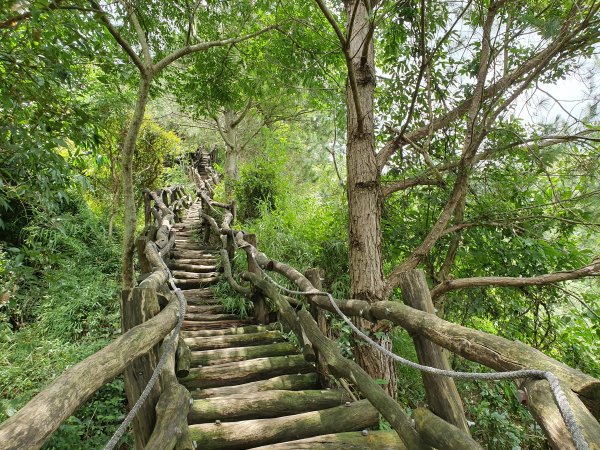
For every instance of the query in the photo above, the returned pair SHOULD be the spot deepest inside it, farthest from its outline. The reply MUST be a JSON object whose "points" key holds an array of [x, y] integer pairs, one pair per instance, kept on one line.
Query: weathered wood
{"points": [[315, 276], [226, 355], [183, 358], [33, 424], [228, 331], [438, 433], [251, 433], [345, 368], [186, 284], [245, 371], [234, 340], [244, 290], [211, 317], [205, 309], [194, 268], [490, 350], [140, 245], [180, 274], [543, 408], [264, 405], [295, 382], [261, 311], [200, 293], [138, 306], [353, 440], [171, 428], [441, 393]]}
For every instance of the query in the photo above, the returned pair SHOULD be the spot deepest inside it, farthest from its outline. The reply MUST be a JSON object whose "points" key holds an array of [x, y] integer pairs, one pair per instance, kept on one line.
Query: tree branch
{"points": [[139, 31], [15, 20], [590, 270], [541, 59], [103, 15], [174, 56]]}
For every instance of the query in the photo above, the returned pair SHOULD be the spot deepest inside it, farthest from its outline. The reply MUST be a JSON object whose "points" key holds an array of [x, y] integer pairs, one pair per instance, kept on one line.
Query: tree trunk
{"points": [[232, 150], [364, 191], [129, 216]]}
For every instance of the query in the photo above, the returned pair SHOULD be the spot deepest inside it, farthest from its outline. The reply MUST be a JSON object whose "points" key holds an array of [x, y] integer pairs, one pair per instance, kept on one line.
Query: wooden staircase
{"points": [[251, 387]]}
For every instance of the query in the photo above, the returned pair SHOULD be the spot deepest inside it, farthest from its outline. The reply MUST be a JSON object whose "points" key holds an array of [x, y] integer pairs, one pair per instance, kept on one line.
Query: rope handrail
{"points": [[557, 391]]}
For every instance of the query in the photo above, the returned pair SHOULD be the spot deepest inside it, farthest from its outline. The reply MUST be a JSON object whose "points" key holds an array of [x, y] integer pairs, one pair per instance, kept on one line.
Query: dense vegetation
{"points": [[99, 100]]}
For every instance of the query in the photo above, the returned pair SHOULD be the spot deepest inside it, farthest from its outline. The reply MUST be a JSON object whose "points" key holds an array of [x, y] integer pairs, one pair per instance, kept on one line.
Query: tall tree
{"points": [[174, 35], [439, 100]]}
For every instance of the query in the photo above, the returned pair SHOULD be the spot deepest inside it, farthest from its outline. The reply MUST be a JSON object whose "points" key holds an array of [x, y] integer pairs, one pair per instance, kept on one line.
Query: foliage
{"points": [[61, 306]]}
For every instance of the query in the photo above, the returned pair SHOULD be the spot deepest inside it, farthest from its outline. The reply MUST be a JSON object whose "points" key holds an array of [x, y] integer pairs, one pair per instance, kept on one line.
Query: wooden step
{"points": [[215, 325], [234, 340], [205, 309], [211, 317], [183, 275], [245, 371], [353, 440], [251, 433], [229, 331], [232, 354], [193, 268], [193, 254], [199, 301], [187, 283], [200, 293], [262, 405], [207, 261]]}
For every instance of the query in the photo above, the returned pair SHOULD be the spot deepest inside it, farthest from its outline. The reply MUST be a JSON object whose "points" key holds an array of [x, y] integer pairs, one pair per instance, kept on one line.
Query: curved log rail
{"points": [[445, 428], [145, 325]]}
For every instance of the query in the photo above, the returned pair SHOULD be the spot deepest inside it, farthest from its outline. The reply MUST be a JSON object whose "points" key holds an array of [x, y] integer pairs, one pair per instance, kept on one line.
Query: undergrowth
{"points": [[59, 294]]}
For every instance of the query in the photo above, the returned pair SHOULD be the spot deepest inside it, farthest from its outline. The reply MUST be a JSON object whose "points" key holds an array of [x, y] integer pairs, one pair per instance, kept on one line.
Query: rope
{"points": [[557, 392], [161, 362]]}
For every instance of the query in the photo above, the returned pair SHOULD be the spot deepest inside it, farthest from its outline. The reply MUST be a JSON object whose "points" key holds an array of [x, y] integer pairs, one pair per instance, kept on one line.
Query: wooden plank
{"points": [[251, 433], [245, 371], [354, 440], [294, 382], [261, 405]]}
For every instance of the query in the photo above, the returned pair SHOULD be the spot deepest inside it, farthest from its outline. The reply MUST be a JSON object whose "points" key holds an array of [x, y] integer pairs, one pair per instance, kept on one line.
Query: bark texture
{"points": [[364, 189]]}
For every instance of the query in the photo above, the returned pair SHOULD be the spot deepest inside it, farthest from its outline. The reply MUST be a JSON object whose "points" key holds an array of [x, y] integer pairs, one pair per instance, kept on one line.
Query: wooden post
{"points": [[138, 306], [140, 245], [147, 210], [315, 276], [261, 312], [442, 395]]}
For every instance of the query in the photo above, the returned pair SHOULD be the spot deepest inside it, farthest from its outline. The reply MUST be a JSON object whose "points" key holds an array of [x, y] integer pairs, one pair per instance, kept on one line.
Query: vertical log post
{"points": [[261, 312], [442, 395], [140, 245], [137, 306], [315, 276], [147, 210]]}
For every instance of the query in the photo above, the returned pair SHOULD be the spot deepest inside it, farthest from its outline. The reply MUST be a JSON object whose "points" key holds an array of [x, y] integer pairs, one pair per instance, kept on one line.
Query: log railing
{"points": [[150, 311], [447, 428]]}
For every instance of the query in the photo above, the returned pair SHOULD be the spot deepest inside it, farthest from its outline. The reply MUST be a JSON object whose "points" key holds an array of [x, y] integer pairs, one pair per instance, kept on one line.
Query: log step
{"points": [[228, 331], [211, 317], [264, 405], [204, 261], [353, 440], [252, 433], [234, 340], [205, 309], [233, 354], [180, 274], [214, 325], [200, 293], [284, 382], [192, 254], [186, 283], [194, 268], [245, 371]]}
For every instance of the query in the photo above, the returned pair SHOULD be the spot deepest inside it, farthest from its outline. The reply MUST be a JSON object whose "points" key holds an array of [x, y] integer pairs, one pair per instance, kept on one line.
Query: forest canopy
{"points": [[367, 138]]}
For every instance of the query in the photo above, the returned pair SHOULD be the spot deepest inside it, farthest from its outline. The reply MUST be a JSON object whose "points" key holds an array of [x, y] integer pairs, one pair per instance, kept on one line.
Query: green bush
{"points": [[258, 188]]}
